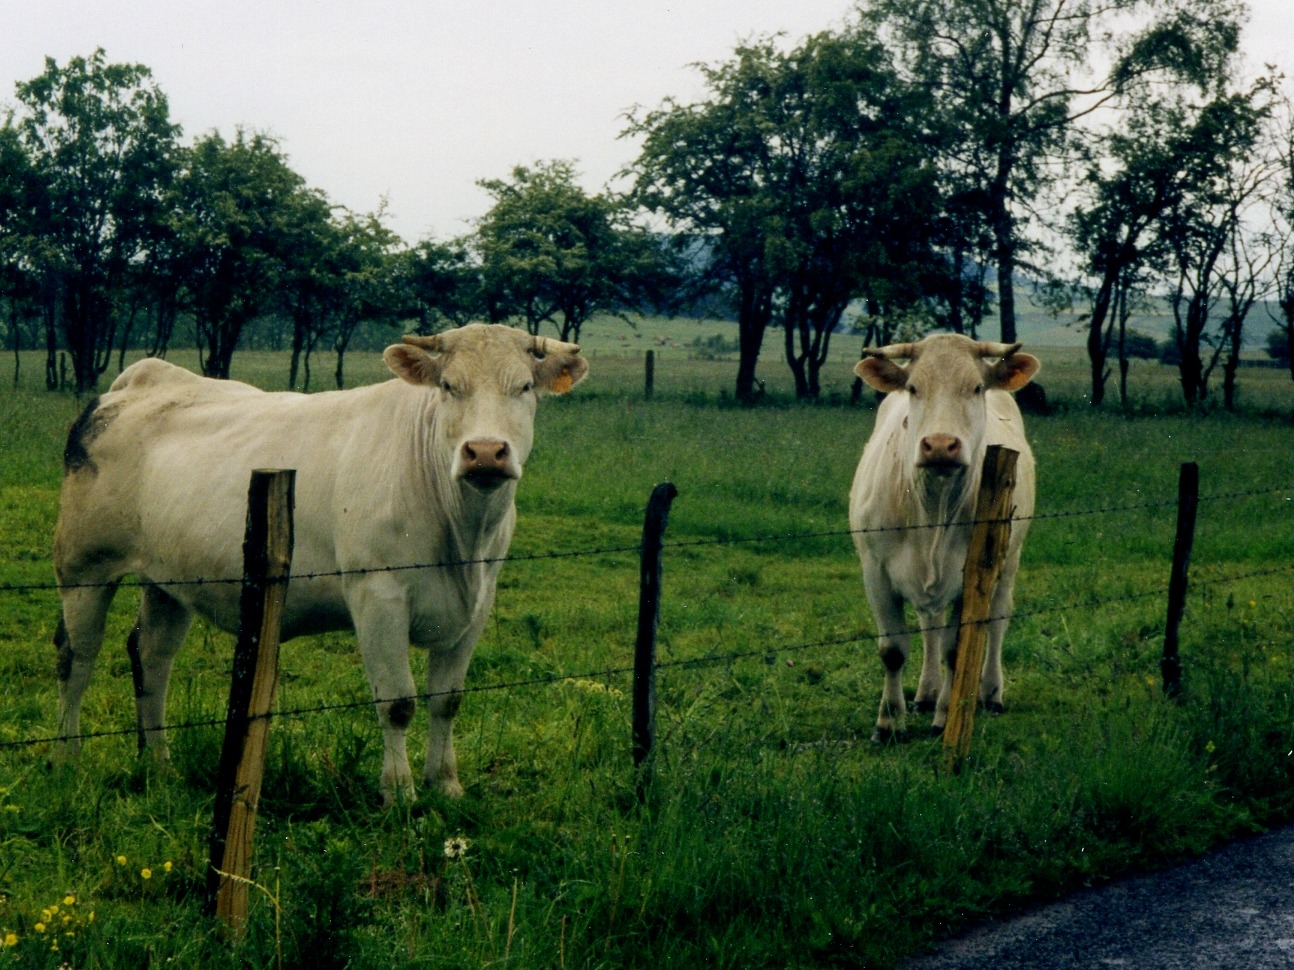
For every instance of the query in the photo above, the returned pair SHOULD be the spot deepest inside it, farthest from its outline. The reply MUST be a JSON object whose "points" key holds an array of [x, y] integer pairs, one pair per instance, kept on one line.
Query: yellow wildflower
{"points": [[121, 860], [69, 900], [145, 873], [39, 927], [166, 866], [10, 939]]}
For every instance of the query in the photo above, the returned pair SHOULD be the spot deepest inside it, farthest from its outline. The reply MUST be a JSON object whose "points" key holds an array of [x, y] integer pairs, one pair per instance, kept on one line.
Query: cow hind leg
{"points": [[159, 632], [78, 640]]}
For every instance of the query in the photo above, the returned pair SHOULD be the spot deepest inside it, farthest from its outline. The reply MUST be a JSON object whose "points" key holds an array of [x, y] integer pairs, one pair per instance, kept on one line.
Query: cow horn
{"points": [[547, 345], [987, 349], [431, 343], [894, 351]]}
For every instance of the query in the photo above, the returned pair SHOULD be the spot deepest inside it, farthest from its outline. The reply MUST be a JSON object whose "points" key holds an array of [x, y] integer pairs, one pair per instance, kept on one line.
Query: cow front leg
{"points": [[945, 631], [159, 632], [381, 614], [446, 673], [934, 643], [893, 642], [992, 682]]}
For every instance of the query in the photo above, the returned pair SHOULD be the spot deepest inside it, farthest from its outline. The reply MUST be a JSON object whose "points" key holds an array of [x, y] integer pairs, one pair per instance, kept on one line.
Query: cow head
{"points": [[487, 380], [946, 380]]}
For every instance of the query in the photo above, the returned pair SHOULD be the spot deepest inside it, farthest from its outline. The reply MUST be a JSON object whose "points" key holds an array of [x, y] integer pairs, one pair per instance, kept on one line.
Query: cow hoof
{"points": [[926, 706], [937, 731], [884, 735], [995, 707]]}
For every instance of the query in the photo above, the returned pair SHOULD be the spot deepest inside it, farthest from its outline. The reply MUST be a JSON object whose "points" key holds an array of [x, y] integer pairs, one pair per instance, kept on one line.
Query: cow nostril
{"points": [[469, 453]]}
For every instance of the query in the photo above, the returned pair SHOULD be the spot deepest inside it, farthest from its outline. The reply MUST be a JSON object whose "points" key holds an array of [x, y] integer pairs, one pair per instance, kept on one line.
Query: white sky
{"points": [[415, 101]]}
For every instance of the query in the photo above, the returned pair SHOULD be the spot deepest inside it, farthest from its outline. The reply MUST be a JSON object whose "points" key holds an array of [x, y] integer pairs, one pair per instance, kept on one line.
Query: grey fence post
{"points": [[1188, 500], [644, 690]]}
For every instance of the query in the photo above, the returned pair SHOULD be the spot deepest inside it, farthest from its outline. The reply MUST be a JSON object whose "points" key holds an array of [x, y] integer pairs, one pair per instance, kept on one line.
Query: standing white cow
{"points": [[914, 493], [418, 470]]}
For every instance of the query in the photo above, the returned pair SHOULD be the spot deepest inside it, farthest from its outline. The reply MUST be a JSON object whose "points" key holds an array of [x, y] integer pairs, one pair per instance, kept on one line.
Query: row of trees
{"points": [[918, 164], [111, 231]]}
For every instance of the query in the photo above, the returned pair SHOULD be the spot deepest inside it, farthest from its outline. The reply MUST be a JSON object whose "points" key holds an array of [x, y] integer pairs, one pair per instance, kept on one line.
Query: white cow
{"points": [[418, 470], [913, 494]]}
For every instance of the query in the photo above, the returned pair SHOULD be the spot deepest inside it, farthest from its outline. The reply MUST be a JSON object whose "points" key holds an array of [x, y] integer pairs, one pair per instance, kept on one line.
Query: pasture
{"points": [[775, 834]]}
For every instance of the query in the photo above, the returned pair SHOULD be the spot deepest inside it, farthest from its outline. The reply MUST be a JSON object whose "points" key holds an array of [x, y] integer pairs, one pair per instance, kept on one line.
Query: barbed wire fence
{"points": [[708, 659]]}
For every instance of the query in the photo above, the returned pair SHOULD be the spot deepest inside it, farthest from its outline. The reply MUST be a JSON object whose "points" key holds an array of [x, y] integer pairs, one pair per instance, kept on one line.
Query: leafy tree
{"points": [[1014, 79], [441, 285], [551, 252], [101, 146], [1202, 231], [371, 284], [702, 168], [240, 206], [1280, 342], [808, 174]]}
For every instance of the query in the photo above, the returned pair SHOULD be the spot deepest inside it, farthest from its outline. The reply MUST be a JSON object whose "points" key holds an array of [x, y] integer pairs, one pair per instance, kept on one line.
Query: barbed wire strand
{"points": [[636, 547], [768, 654]]}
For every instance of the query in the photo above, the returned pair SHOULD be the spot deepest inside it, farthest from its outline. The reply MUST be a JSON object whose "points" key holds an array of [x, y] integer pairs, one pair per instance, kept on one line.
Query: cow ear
{"points": [[413, 364], [882, 374], [558, 373], [1014, 372]]}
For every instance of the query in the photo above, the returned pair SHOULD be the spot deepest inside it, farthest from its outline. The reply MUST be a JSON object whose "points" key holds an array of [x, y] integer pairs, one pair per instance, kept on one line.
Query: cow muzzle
{"points": [[486, 463], [941, 454]]}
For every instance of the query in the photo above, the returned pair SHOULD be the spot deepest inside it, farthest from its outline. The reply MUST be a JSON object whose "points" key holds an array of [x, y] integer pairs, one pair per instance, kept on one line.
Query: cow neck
{"points": [[939, 503], [475, 525]]}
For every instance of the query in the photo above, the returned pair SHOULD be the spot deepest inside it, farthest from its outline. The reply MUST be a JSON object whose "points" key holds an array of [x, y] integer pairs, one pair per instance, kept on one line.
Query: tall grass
{"points": [[775, 835]]}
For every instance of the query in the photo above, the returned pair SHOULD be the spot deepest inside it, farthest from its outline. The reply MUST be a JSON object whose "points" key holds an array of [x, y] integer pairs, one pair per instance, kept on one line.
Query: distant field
{"points": [[776, 835]]}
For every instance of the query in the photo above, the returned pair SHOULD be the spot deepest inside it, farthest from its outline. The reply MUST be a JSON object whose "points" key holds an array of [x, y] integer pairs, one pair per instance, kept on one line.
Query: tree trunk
{"points": [[752, 321]]}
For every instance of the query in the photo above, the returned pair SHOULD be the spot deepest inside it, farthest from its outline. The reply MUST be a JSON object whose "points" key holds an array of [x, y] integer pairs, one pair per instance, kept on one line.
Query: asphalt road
{"points": [[1232, 908]]}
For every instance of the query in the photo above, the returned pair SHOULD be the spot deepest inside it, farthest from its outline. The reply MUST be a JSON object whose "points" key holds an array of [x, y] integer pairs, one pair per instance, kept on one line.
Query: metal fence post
{"points": [[644, 690], [1188, 499], [267, 563], [649, 377]]}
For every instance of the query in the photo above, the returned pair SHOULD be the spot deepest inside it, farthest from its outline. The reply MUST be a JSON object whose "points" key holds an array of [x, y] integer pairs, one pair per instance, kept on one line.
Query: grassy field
{"points": [[776, 835]]}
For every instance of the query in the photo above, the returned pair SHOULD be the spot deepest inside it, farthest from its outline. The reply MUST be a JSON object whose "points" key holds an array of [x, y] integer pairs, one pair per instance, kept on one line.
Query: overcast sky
{"points": [[415, 101]]}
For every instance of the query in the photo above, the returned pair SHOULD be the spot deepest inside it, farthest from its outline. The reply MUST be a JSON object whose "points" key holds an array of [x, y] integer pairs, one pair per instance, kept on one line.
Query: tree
{"points": [[371, 285], [441, 285], [101, 146], [808, 175], [1014, 79], [239, 203], [551, 252], [1280, 342], [701, 168], [1203, 253]]}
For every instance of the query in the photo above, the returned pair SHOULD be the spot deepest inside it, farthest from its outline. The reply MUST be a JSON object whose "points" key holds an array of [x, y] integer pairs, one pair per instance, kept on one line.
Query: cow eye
{"points": [[912, 390], [527, 387], [979, 388], [447, 387]]}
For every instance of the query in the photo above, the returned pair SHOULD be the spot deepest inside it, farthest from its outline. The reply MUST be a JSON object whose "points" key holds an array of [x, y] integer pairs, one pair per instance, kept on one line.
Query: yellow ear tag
{"points": [[563, 382]]}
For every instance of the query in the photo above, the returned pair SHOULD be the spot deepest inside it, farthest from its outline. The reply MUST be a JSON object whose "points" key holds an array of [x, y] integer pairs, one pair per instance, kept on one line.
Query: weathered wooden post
{"points": [[990, 538], [1188, 500], [644, 690], [650, 376], [267, 563]]}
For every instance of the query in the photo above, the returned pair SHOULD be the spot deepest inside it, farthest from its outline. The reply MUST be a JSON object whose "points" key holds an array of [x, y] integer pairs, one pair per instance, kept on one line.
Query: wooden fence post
{"points": [[644, 690], [267, 563], [1188, 498], [650, 376], [990, 538]]}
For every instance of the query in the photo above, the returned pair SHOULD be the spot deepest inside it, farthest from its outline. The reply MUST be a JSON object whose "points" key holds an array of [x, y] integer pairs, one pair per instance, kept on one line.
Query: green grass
{"points": [[775, 834]]}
